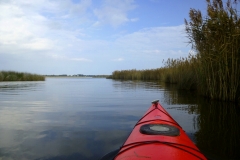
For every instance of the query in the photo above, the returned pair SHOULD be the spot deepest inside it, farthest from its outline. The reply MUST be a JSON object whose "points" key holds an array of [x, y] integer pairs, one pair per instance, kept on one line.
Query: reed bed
{"points": [[19, 76], [178, 71], [216, 38], [214, 71], [154, 74], [181, 72]]}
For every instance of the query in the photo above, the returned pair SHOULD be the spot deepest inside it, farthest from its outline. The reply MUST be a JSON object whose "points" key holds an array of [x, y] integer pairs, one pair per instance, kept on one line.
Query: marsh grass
{"points": [[20, 76], [176, 71], [216, 38], [154, 74], [181, 72], [214, 71]]}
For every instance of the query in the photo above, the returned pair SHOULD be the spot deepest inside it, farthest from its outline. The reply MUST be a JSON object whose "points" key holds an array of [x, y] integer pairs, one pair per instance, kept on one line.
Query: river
{"points": [[85, 118]]}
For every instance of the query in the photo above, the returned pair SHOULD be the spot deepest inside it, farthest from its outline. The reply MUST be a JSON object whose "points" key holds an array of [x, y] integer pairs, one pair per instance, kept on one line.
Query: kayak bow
{"points": [[157, 136]]}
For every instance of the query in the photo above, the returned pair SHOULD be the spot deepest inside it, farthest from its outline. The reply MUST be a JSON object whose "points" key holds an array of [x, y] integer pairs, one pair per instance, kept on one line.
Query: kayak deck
{"points": [[158, 136]]}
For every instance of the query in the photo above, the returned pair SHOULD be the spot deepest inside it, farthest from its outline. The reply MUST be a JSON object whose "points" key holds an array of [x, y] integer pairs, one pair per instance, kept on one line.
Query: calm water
{"points": [[85, 118]]}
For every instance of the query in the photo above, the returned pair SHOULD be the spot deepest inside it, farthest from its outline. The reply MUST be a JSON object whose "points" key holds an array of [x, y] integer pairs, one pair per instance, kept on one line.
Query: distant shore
{"points": [[79, 76], [20, 76]]}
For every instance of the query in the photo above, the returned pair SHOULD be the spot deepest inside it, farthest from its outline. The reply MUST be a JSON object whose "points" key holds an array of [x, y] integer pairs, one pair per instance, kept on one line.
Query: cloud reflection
{"points": [[57, 135]]}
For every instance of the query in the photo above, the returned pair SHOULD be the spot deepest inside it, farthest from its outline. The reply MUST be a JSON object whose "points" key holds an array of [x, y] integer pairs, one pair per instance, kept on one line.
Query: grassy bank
{"points": [[19, 76], [214, 71]]}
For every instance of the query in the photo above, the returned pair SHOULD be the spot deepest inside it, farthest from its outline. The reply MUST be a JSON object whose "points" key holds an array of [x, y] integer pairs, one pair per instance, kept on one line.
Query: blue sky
{"points": [[92, 36]]}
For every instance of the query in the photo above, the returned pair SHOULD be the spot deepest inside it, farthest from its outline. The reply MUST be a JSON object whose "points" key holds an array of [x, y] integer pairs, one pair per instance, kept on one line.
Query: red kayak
{"points": [[157, 136]]}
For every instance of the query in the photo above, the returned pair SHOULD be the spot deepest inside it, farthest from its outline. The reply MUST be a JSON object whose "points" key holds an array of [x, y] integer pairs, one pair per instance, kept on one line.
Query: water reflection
{"points": [[74, 118], [219, 133], [217, 123], [55, 136], [8, 86], [132, 85]]}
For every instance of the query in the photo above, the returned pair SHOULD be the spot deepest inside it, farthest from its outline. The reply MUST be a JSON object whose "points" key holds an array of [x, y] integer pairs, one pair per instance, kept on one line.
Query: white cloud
{"points": [[79, 9], [134, 19], [155, 40], [65, 58], [80, 59], [26, 26], [60, 33], [114, 12], [20, 30], [38, 44], [155, 51], [118, 59]]}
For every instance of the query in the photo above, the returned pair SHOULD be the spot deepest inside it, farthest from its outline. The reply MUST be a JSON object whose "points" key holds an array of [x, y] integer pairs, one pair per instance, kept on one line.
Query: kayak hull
{"points": [[157, 136]]}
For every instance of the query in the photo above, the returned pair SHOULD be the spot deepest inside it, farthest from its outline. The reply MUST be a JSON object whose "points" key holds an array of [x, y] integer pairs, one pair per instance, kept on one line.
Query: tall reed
{"points": [[154, 74], [181, 71], [216, 39]]}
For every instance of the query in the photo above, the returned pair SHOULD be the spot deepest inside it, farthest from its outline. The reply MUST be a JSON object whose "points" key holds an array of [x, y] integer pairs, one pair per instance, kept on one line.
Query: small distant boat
{"points": [[157, 136]]}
